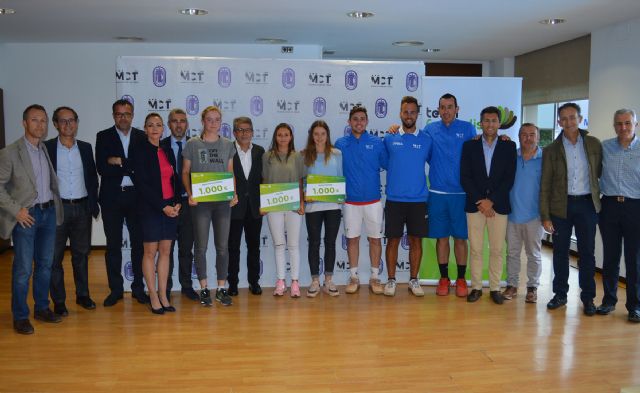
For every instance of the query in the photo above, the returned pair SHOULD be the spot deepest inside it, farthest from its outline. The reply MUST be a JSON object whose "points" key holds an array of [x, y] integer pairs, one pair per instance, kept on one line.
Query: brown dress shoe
{"points": [[532, 295], [510, 292]]}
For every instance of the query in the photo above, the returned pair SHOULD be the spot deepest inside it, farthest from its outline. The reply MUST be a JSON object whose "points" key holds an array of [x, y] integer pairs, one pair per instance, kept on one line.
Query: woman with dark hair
{"points": [[282, 164], [158, 204], [321, 158]]}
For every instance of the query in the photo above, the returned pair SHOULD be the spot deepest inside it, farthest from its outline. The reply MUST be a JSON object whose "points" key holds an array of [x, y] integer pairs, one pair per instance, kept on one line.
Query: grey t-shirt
{"points": [[284, 170], [209, 156]]}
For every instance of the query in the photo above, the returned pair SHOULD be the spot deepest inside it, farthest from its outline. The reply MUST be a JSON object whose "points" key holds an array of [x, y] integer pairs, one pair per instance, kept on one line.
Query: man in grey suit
{"points": [[30, 209]]}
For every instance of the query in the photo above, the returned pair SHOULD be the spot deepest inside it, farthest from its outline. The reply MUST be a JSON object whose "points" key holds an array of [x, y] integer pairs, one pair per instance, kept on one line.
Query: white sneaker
{"points": [[415, 288], [390, 288]]}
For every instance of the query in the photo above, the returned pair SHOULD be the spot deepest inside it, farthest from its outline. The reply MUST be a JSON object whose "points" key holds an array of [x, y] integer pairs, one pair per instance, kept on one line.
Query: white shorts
{"points": [[354, 215]]}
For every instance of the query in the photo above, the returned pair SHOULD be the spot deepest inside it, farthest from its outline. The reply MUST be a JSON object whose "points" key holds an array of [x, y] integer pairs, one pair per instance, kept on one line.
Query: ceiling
{"points": [[462, 30]]}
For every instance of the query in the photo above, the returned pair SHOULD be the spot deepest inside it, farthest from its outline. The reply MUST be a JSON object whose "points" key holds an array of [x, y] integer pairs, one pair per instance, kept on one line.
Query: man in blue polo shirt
{"points": [[362, 157], [407, 194], [524, 226]]}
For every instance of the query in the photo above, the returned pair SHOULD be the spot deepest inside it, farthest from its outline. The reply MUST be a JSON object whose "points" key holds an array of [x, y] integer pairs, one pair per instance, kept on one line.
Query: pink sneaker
{"points": [[295, 288], [281, 288]]}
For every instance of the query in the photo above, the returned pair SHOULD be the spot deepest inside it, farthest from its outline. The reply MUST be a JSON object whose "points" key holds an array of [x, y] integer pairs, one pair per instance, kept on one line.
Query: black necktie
{"points": [[179, 159]]}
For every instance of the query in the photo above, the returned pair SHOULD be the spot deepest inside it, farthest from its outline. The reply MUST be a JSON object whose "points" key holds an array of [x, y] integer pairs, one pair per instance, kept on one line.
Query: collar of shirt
{"points": [[567, 142], [633, 143], [30, 145], [538, 153], [239, 149], [74, 146], [401, 131], [174, 141], [489, 145]]}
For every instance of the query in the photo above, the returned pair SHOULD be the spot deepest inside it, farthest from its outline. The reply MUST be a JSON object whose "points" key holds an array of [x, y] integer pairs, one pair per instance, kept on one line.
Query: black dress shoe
{"points": [[190, 294], [141, 297], [255, 289], [112, 299], [605, 309], [47, 315], [60, 309], [497, 297], [589, 309], [86, 302], [168, 308], [556, 302], [23, 326], [634, 316], [474, 295], [233, 290]]}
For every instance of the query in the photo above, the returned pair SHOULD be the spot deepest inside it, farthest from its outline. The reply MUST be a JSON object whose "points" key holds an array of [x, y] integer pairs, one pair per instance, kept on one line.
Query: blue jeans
{"points": [[582, 215], [33, 250]]}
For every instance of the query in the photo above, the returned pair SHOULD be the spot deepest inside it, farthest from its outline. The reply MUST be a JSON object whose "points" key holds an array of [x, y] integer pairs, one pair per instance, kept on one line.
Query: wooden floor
{"points": [[354, 343]]}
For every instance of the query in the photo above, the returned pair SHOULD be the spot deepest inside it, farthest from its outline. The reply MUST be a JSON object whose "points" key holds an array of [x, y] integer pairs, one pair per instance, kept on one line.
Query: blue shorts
{"points": [[447, 216]]}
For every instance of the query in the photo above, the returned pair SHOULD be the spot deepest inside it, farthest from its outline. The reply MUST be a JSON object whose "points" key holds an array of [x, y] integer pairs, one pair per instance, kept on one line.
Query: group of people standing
{"points": [[49, 194]]}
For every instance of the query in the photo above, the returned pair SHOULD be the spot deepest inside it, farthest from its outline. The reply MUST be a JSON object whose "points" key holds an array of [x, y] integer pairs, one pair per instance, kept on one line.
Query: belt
{"points": [[45, 205], [127, 188], [620, 198], [74, 201], [578, 197]]}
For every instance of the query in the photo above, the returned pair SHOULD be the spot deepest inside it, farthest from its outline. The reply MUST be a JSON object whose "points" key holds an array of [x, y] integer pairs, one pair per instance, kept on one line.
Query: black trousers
{"points": [[331, 220], [185, 248], [252, 227], [77, 229], [120, 209]]}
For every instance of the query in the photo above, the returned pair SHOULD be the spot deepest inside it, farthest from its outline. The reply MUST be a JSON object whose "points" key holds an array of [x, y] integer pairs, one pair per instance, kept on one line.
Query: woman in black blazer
{"points": [[158, 207]]}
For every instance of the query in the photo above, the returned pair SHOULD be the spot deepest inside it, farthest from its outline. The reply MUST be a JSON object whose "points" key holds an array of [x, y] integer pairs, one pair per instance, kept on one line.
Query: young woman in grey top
{"points": [[282, 164], [210, 152]]}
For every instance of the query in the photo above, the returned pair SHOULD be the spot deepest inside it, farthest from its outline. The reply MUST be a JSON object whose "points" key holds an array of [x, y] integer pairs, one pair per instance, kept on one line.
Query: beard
{"points": [[408, 124]]}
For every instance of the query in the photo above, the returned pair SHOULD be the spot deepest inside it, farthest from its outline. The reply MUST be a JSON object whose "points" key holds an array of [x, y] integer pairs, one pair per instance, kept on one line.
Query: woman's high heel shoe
{"points": [[158, 311]]}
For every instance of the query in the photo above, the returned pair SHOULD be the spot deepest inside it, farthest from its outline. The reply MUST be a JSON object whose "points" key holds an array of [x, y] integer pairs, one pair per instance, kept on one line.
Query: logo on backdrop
{"points": [[347, 131], [261, 268], [346, 106], [318, 79], [404, 242], [188, 76], [381, 108], [381, 80], [321, 271], [194, 273], [159, 76], [192, 105], [224, 77], [128, 98], [344, 238], [256, 78], [351, 80], [287, 106], [288, 78], [127, 76], [225, 130], [228, 105], [319, 106], [256, 105], [412, 81], [507, 118], [159, 104], [128, 271]]}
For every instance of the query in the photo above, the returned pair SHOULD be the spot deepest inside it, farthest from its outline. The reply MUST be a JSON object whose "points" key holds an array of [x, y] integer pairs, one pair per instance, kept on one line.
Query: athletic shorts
{"points": [[356, 215], [413, 214], [447, 216]]}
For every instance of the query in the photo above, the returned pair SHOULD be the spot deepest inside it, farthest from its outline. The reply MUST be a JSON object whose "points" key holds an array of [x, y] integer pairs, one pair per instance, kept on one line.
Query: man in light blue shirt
{"points": [[620, 214]]}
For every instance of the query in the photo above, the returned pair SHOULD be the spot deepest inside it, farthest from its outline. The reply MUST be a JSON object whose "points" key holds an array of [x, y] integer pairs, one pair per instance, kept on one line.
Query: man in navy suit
{"points": [[487, 173], [115, 148], [73, 162], [176, 142]]}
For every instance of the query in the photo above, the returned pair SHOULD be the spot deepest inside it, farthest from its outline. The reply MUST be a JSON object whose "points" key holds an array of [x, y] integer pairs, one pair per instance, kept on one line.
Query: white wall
{"points": [[82, 76]]}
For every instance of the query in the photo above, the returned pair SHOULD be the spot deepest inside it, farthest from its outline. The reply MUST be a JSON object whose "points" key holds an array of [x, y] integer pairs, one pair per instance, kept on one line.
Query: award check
{"points": [[279, 197], [212, 186], [325, 189]]}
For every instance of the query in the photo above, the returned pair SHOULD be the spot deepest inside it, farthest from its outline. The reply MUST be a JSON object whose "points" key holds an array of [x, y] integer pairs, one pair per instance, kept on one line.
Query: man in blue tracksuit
{"points": [[362, 157]]}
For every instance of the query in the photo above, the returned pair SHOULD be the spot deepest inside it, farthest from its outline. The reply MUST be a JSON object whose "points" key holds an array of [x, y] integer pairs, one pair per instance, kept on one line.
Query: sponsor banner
{"points": [[212, 186], [279, 197], [325, 189]]}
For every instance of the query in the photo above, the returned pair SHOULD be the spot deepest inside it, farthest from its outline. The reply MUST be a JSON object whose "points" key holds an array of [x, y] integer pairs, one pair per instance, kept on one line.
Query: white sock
{"points": [[374, 272], [354, 271]]}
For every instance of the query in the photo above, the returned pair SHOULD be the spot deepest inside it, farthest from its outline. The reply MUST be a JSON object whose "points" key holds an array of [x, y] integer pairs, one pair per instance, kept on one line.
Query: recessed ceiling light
{"points": [[552, 21], [431, 50], [408, 43], [271, 41], [360, 14], [7, 11], [193, 12], [129, 39]]}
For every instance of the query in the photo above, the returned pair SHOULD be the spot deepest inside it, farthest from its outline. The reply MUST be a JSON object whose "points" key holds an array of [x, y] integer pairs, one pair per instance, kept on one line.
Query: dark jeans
{"points": [[185, 247], [77, 228], [618, 222], [331, 220], [33, 252], [582, 215], [252, 227], [121, 207]]}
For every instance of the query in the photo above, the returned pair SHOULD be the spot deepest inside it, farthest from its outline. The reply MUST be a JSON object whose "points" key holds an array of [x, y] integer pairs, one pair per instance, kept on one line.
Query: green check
{"points": [[325, 189], [279, 197], [212, 186]]}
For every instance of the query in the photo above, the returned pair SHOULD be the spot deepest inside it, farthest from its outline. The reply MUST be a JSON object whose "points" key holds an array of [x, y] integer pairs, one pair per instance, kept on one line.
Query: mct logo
{"points": [[159, 76], [381, 108], [160, 105], [128, 271], [128, 98], [347, 131], [256, 105], [125, 76], [224, 77], [381, 80], [346, 106], [288, 78], [321, 271], [317, 79], [194, 272], [404, 242], [192, 105], [225, 105], [350, 80], [412, 81], [288, 106], [344, 238], [225, 130], [258, 78], [188, 76], [319, 106]]}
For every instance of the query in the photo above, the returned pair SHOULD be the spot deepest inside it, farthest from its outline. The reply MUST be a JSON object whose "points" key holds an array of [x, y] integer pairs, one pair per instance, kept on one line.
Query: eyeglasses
{"points": [[121, 115], [247, 130], [66, 122]]}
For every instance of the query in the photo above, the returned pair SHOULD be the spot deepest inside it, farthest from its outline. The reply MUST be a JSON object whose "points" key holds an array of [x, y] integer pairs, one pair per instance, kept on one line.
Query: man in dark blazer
{"points": [[487, 173], [115, 147], [73, 162], [247, 168], [176, 142]]}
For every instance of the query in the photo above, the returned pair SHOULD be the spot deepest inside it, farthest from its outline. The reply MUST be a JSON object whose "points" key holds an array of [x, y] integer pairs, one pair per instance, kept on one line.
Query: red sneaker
{"points": [[443, 287], [461, 287]]}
